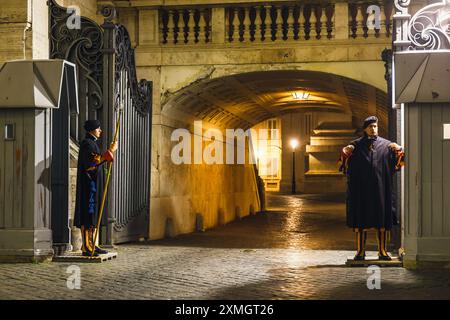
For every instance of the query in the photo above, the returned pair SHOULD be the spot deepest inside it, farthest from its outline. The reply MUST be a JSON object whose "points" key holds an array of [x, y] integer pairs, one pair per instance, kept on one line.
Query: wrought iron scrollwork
{"points": [[429, 28], [140, 91], [81, 46]]}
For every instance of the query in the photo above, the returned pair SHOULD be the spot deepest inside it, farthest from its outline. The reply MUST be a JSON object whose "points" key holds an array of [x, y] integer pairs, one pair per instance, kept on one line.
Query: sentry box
{"points": [[36, 98]]}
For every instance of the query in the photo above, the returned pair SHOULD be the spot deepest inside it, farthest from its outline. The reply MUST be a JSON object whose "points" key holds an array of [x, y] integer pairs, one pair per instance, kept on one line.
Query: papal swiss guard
{"points": [[90, 181], [370, 163]]}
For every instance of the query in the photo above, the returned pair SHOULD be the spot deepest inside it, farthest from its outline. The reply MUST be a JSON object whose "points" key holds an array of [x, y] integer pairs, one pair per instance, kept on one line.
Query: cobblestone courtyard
{"points": [[297, 251]]}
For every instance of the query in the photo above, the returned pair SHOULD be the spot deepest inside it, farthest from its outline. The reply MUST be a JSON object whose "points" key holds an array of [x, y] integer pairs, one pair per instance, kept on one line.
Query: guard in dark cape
{"points": [[90, 180], [370, 163]]}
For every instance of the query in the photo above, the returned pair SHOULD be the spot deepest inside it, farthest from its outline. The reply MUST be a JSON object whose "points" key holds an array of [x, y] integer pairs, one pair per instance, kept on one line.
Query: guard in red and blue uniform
{"points": [[370, 163], [90, 181]]}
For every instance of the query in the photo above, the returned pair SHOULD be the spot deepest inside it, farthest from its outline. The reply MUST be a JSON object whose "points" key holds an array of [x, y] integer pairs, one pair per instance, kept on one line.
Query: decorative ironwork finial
{"points": [[109, 13], [402, 5]]}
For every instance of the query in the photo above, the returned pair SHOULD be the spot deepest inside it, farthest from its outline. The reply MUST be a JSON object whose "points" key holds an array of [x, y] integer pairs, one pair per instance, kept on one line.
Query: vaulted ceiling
{"points": [[244, 100]]}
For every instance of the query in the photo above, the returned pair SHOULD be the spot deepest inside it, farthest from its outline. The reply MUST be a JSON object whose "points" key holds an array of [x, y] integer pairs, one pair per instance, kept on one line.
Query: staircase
{"points": [[323, 152]]}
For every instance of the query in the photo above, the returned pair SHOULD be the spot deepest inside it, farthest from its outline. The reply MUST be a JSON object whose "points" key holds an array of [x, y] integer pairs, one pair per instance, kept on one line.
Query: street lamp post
{"points": [[294, 144]]}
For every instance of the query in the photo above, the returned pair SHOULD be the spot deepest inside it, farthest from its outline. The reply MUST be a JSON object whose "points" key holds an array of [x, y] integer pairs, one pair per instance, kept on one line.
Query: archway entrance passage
{"points": [[322, 110]]}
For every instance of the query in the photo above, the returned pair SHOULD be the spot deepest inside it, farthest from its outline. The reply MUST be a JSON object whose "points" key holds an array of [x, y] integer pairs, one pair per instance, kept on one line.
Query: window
{"points": [[272, 127], [308, 124], [10, 131]]}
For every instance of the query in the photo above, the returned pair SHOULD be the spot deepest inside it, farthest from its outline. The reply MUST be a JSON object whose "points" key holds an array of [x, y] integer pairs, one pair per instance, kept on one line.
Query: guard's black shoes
{"points": [[384, 258], [88, 253], [100, 251], [359, 257]]}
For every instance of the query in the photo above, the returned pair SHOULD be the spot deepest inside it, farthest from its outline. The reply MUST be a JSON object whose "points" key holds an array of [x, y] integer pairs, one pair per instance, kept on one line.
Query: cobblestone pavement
{"points": [[255, 258]]}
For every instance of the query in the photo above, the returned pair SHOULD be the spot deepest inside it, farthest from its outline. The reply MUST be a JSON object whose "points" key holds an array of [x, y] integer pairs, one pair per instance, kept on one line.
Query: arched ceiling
{"points": [[244, 100]]}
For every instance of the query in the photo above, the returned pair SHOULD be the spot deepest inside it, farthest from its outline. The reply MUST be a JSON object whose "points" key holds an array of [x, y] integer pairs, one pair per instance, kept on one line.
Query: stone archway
{"points": [[237, 100]]}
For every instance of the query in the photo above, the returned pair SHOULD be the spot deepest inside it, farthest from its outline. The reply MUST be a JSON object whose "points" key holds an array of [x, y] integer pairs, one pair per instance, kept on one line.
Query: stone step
{"points": [[373, 261], [335, 132], [312, 173], [331, 140], [325, 148], [77, 257]]}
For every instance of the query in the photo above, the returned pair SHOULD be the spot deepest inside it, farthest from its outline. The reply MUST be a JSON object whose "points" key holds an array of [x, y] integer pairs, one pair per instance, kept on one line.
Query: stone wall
{"points": [[219, 193], [13, 22]]}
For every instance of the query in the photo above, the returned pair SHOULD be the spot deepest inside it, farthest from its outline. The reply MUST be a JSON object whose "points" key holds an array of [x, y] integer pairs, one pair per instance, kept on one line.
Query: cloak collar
{"points": [[90, 137]]}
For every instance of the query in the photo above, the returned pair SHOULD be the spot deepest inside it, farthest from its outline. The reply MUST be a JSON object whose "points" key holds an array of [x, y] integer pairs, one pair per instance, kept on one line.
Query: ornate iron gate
{"points": [[107, 83], [131, 188]]}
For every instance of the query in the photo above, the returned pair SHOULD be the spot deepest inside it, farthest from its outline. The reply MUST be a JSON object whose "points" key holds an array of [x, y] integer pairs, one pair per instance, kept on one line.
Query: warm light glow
{"points": [[257, 153], [294, 144], [301, 95]]}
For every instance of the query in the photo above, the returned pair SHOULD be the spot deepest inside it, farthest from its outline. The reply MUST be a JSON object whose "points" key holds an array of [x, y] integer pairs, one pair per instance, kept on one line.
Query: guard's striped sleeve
{"points": [[98, 159], [400, 159], [343, 161]]}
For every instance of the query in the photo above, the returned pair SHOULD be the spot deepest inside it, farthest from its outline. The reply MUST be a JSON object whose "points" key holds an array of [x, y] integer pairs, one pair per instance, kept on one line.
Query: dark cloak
{"points": [[370, 177], [90, 183]]}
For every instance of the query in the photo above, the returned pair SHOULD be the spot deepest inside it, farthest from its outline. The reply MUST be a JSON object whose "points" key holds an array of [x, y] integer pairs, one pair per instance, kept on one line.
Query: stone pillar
{"points": [[341, 20], [218, 25], [148, 27]]}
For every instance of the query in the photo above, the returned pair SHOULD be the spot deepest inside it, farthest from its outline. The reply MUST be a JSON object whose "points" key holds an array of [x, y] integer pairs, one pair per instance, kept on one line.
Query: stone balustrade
{"points": [[358, 19], [185, 26], [274, 22]]}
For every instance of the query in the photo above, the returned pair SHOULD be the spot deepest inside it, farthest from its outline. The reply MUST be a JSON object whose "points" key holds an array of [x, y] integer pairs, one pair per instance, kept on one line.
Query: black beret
{"points": [[369, 120], [91, 125]]}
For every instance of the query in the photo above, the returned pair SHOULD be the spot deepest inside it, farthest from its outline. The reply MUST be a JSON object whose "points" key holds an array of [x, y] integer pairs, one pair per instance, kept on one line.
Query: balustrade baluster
{"points": [[329, 12], [176, 28], [191, 26], [170, 27], [353, 11], [241, 17], [231, 15], [196, 16], [388, 6], [365, 17], [359, 20], [273, 22], [258, 23], [296, 24], [165, 22], [246, 24], [290, 22], [207, 19], [279, 34], [382, 19], [252, 14], [285, 24], [202, 25], [263, 15], [307, 23], [185, 18], [318, 17]]}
